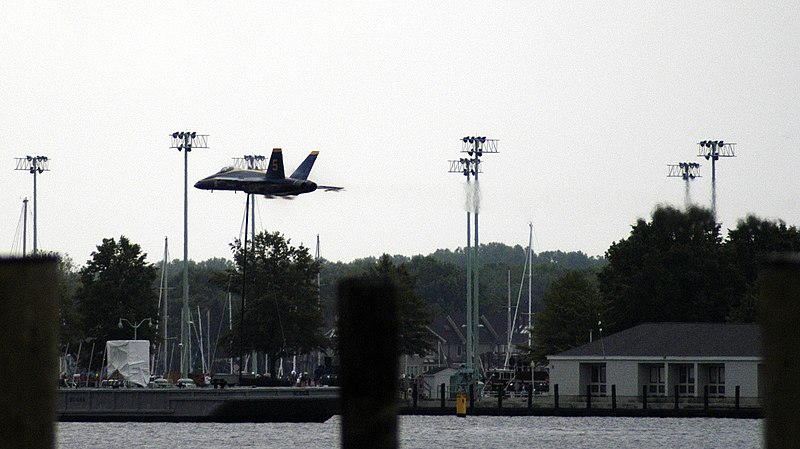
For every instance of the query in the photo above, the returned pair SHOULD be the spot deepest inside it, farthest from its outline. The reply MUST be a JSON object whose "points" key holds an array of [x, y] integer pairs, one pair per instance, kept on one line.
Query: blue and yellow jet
{"points": [[271, 182]]}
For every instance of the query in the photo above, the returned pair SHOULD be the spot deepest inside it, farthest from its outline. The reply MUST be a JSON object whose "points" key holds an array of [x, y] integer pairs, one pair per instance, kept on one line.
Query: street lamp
{"points": [[135, 326]]}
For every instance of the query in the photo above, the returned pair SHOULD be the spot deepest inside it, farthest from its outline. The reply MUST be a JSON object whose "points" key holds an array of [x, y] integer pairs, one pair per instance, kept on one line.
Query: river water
{"points": [[430, 432]]}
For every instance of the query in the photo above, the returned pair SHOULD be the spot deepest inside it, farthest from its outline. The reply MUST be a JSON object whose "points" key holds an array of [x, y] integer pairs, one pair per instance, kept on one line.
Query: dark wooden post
{"points": [[555, 396], [500, 395], [442, 396], [705, 397], [644, 397], [29, 359], [530, 397], [414, 393], [677, 397], [588, 396], [472, 395], [368, 336], [737, 397], [613, 397], [779, 285]]}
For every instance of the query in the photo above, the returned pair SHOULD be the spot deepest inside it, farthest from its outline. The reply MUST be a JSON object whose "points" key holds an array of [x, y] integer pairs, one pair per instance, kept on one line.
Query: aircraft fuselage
{"points": [[254, 181]]}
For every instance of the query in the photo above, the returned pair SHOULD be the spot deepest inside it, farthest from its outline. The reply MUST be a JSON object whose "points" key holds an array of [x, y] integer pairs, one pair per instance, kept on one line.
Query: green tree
{"points": [[745, 248], [669, 269], [71, 331], [441, 285], [573, 309], [282, 315], [116, 283], [414, 314]]}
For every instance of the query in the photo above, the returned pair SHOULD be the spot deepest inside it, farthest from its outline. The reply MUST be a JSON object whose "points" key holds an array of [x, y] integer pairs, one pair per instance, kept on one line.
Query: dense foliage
{"points": [[116, 284], [413, 314], [573, 311], [282, 315], [675, 267]]}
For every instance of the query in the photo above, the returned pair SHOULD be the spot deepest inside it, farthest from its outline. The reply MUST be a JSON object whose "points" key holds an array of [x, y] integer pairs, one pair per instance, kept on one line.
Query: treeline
{"points": [[677, 267], [117, 282], [440, 278]]}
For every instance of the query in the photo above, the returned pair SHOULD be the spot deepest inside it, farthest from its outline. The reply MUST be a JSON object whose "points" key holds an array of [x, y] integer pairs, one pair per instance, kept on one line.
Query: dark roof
{"points": [[436, 370], [677, 340], [498, 321]]}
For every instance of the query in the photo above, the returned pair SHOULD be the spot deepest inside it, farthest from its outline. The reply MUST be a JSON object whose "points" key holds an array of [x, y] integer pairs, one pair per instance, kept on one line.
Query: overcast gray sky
{"points": [[590, 100]]}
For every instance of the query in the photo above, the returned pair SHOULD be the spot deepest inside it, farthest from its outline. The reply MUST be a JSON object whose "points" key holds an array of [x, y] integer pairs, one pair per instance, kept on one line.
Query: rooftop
{"points": [[676, 340]]}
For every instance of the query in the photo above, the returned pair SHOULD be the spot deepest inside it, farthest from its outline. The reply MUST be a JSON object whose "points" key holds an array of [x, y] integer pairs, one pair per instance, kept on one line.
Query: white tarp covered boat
{"points": [[131, 358]]}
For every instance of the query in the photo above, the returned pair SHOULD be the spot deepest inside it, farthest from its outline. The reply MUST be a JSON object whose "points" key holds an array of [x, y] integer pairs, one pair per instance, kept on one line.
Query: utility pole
{"points": [[713, 150], [687, 171], [35, 165], [185, 140]]}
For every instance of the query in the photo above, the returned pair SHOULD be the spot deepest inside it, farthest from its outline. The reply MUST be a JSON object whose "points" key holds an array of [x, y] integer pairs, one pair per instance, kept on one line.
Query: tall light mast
{"points": [[35, 165], [713, 150], [185, 140], [251, 162], [687, 171], [474, 148]]}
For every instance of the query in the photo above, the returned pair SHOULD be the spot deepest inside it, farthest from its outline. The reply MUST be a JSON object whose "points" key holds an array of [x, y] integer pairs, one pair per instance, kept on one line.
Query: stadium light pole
{"points": [[185, 141], [686, 171], [35, 165], [475, 148], [713, 150]]}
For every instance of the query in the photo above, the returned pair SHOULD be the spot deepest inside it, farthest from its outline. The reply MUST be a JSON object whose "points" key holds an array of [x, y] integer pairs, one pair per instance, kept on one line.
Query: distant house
{"points": [[449, 338], [660, 357]]}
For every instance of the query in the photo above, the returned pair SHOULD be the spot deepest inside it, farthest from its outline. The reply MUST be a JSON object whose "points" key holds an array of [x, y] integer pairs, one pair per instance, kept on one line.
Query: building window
{"points": [[686, 380], [597, 380], [716, 380], [656, 387]]}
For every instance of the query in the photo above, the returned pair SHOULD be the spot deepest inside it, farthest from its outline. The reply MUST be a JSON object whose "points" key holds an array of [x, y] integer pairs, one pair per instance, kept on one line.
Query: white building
{"points": [[662, 357]]}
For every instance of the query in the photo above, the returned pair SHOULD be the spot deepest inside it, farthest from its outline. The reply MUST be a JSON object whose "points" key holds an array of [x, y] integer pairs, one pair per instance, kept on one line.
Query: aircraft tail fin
{"points": [[275, 168], [304, 169]]}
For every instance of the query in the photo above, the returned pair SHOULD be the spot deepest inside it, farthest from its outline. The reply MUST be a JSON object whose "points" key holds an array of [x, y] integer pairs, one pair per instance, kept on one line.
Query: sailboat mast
{"points": [[164, 301], [530, 275], [24, 227], [508, 323]]}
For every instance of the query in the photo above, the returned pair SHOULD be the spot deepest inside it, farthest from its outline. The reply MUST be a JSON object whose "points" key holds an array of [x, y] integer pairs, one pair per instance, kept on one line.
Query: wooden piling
{"points": [[737, 397], [677, 397], [555, 396], [588, 396], [28, 358], [613, 397], [779, 284], [530, 397], [368, 350], [644, 397], [442, 396]]}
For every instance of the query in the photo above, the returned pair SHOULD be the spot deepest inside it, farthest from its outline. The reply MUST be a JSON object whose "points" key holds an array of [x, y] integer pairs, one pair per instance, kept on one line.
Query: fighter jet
{"points": [[271, 182]]}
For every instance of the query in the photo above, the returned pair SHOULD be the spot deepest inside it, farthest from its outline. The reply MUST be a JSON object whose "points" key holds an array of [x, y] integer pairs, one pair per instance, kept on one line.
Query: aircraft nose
{"points": [[202, 184]]}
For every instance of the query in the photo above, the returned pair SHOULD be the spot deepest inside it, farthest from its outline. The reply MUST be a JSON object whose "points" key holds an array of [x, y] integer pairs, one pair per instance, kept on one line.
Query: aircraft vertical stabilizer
{"points": [[305, 168], [275, 168]]}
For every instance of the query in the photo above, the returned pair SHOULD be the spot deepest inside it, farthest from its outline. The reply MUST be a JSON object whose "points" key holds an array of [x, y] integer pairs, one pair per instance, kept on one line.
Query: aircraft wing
{"points": [[330, 188]]}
